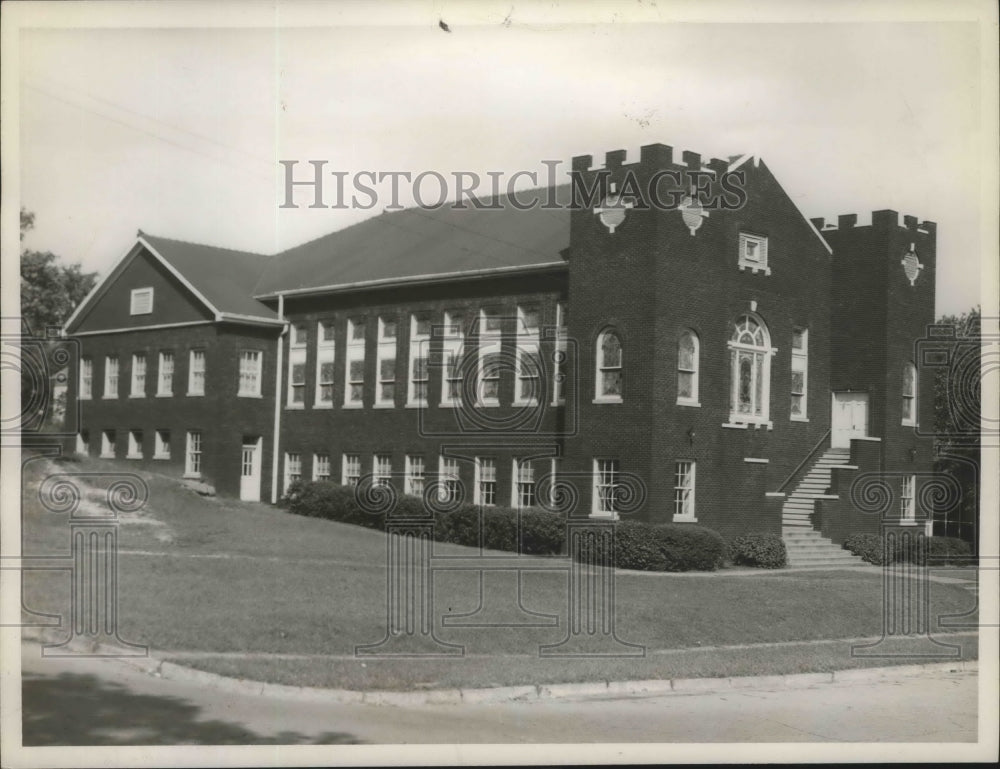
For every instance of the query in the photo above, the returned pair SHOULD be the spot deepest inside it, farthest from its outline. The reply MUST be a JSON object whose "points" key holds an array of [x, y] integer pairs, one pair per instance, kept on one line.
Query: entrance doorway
{"points": [[250, 469], [850, 418]]}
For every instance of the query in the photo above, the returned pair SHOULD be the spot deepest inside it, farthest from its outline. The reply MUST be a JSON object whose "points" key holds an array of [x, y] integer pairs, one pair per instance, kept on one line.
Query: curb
{"points": [[532, 693]]}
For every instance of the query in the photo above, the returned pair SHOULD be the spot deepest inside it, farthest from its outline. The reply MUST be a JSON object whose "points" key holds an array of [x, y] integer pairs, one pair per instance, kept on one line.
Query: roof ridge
{"points": [[143, 234]]}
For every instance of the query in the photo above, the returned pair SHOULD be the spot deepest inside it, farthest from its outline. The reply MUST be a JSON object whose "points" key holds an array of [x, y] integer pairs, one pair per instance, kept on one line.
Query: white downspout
{"points": [[276, 440]]}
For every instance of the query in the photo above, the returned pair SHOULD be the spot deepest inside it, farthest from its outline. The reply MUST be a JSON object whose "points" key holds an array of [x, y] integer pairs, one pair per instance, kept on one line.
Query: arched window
{"points": [[750, 367], [909, 394], [687, 368], [609, 367]]}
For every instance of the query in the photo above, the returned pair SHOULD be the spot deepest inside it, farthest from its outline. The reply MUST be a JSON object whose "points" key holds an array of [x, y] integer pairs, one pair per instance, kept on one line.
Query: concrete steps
{"points": [[805, 545]]}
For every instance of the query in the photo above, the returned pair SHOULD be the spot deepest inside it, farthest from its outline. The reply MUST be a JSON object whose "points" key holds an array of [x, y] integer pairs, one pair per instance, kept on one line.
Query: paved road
{"points": [[92, 701]]}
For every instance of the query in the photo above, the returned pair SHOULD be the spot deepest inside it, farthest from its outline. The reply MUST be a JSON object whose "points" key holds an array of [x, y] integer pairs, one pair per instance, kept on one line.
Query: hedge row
{"points": [[940, 550], [638, 545]]}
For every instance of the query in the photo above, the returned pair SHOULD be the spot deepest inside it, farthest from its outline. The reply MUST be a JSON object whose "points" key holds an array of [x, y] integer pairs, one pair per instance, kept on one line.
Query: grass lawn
{"points": [[214, 576]]}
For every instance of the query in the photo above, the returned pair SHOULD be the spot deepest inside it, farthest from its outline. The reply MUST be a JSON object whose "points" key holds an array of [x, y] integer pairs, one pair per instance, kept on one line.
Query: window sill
{"points": [[192, 476], [131, 396], [416, 405], [164, 395], [249, 395], [526, 404], [607, 400], [907, 522], [384, 405], [755, 268], [490, 404], [133, 456], [756, 461], [560, 402], [603, 516], [196, 395], [161, 456], [84, 398], [322, 405], [295, 406], [693, 404], [748, 424], [684, 519], [908, 423], [798, 419], [353, 405], [105, 456], [776, 494], [109, 397], [450, 405]]}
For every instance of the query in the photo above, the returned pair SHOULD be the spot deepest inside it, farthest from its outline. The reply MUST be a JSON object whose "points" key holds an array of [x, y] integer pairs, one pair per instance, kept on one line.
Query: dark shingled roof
{"points": [[226, 278], [418, 242]]}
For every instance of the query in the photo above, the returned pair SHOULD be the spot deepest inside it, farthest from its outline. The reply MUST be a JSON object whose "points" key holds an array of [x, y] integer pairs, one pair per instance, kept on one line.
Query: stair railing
{"points": [[802, 464]]}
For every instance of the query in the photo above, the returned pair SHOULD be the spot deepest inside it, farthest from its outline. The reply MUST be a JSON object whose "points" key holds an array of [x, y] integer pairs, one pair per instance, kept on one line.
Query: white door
{"points": [[250, 472], [850, 418]]}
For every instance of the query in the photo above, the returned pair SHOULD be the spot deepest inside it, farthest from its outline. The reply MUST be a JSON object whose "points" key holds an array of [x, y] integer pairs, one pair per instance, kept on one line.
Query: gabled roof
{"points": [[417, 243], [225, 278]]}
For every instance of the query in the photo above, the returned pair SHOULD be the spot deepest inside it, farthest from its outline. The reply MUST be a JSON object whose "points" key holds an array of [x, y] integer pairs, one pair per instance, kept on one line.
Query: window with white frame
{"points": [[83, 442], [386, 362], [750, 371], [165, 374], [111, 376], [293, 468], [490, 361], [609, 367], [605, 494], [382, 470], [523, 493], [800, 373], [134, 444], [297, 350], [451, 357], [325, 357], [192, 454], [559, 357], [420, 346], [86, 378], [687, 368], [909, 394], [161, 449], [251, 373], [753, 253], [108, 444], [684, 491], [321, 467], [351, 471], [140, 301], [196, 373], [907, 506], [138, 375], [449, 488], [528, 360], [486, 481], [414, 475], [355, 369]]}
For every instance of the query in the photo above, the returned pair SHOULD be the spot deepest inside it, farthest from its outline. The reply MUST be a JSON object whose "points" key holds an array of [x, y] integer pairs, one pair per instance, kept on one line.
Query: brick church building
{"points": [[737, 368]]}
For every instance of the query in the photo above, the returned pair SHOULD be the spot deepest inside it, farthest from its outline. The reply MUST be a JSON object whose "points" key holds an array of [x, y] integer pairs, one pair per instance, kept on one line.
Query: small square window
{"points": [[141, 301], [753, 253]]}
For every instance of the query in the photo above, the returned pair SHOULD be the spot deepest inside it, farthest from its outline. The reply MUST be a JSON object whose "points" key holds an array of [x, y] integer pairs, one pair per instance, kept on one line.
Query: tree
{"points": [[50, 291], [957, 409]]}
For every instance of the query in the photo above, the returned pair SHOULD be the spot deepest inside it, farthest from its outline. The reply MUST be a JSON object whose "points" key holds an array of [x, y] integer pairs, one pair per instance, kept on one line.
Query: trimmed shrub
{"points": [[543, 532], [689, 548], [664, 547], [765, 551], [869, 548], [950, 550], [459, 526]]}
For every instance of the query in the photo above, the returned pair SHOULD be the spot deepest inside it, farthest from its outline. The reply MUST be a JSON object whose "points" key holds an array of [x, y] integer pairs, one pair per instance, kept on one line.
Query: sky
{"points": [[178, 130]]}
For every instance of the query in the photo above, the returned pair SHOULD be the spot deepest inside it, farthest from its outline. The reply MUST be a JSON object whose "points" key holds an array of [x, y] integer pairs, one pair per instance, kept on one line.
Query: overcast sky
{"points": [[178, 131]]}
